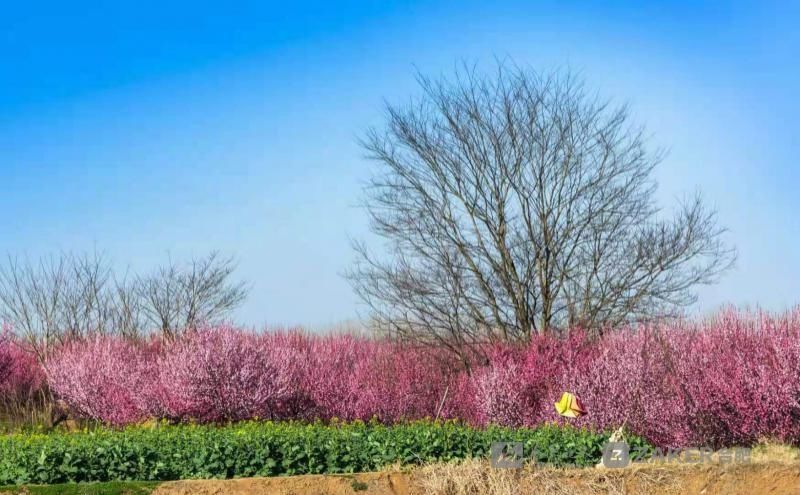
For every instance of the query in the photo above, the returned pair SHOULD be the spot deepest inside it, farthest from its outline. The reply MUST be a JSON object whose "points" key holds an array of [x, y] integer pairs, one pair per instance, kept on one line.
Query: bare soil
{"points": [[389, 483], [476, 478]]}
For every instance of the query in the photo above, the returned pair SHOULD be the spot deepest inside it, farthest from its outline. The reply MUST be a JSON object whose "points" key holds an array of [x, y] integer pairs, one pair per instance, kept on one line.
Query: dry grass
{"points": [[474, 477], [29, 413]]}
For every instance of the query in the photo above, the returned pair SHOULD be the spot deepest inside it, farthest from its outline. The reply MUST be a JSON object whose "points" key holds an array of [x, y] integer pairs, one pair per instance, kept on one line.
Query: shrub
{"points": [[99, 378], [501, 395], [734, 379], [20, 373], [741, 378], [628, 381], [268, 449], [222, 374], [399, 382], [345, 377], [331, 377], [9, 358], [22, 380]]}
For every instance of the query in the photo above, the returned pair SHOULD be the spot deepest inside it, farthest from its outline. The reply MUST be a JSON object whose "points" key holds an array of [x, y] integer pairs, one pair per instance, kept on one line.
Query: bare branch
{"points": [[71, 296], [517, 203]]}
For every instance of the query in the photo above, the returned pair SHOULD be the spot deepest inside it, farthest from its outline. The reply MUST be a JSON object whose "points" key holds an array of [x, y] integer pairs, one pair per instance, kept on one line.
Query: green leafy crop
{"points": [[169, 452]]}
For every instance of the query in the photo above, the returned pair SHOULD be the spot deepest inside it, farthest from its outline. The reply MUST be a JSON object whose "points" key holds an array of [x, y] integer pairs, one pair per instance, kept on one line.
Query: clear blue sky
{"points": [[146, 128]]}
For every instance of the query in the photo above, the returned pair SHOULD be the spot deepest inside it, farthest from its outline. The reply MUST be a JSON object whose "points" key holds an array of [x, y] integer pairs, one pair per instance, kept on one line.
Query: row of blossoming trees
{"points": [[734, 379]]}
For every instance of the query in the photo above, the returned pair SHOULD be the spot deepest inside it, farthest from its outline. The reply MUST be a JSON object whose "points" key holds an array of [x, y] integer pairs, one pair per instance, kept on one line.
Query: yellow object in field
{"points": [[570, 406]]}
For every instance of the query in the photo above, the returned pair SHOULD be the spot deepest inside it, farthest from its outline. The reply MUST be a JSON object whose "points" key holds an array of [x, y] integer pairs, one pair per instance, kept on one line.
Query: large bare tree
{"points": [[517, 202]]}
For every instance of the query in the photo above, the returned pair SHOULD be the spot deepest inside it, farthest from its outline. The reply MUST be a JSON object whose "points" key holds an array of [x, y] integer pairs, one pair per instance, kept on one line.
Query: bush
{"points": [[226, 375], [730, 380], [351, 379], [734, 379], [22, 381], [267, 449], [99, 378], [742, 378]]}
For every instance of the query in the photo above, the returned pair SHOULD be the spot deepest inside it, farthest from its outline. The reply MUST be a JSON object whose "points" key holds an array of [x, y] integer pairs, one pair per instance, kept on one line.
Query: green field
{"points": [[175, 452], [111, 488]]}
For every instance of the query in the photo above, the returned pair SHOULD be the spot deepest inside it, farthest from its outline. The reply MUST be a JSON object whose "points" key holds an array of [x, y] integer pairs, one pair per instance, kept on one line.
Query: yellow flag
{"points": [[570, 406]]}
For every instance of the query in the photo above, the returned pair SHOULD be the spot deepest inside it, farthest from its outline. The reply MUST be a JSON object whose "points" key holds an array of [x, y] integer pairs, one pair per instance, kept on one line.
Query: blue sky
{"points": [[144, 129]]}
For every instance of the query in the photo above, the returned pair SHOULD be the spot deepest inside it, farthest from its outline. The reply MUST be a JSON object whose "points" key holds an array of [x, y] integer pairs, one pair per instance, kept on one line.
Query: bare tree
{"points": [[128, 308], [517, 203], [176, 297], [86, 302], [57, 298], [70, 296]]}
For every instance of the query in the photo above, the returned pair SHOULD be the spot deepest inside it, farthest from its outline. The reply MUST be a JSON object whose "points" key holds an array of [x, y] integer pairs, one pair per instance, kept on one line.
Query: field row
{"points": [[730, 380], [162, 452]]}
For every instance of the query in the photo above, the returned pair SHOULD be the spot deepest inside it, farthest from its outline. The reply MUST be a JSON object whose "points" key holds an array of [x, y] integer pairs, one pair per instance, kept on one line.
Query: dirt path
{"points": [[478, 479], [393, 483]]}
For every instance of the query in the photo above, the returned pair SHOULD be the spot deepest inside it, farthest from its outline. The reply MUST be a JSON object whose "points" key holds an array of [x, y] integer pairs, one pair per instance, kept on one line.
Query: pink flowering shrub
{"points": [[333, 367], [400, 382], [223, 374], [8, 360], [741, 378], [355, 378], [501, 396], [521, 384], [99, 378], [731, 380], [21, 377], [628, 380]]}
